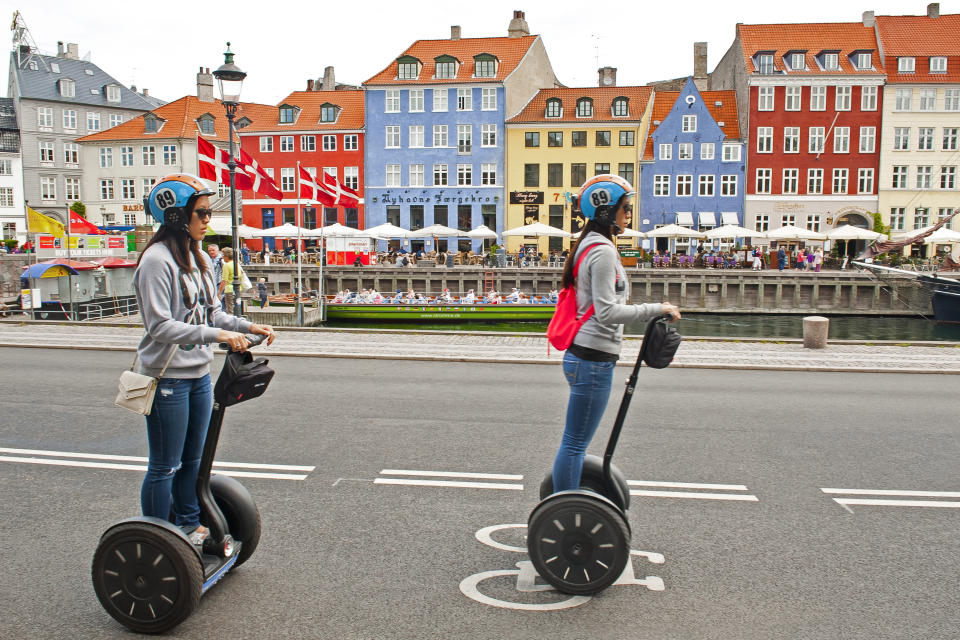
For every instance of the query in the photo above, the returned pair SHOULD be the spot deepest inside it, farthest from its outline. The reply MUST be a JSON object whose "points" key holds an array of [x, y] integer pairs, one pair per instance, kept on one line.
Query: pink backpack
{"points": [[565, 324]]}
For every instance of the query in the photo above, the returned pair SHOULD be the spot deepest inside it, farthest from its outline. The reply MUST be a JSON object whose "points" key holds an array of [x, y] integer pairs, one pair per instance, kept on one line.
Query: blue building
{"points": [[692, 170], [435, 139]]}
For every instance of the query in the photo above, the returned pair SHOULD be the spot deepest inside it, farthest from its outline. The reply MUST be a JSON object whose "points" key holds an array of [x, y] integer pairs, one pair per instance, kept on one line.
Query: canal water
{"points": [[726, 326]]}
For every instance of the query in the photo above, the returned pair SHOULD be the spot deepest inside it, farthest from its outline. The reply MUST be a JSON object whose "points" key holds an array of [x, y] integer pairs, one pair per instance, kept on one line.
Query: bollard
{"points": [[815, 331]]}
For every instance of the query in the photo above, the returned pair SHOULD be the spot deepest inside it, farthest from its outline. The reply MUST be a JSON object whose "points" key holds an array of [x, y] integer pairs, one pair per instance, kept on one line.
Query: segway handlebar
{"points": [[255, 339]]}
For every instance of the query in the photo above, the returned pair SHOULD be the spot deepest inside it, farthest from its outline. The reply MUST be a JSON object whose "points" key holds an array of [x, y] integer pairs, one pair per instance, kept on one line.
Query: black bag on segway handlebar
{"points": [[243, 378], [662, 344]]}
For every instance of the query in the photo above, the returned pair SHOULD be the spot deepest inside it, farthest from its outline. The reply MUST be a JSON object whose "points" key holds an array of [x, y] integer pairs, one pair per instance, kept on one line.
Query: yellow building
{"points": [[562, 138]]}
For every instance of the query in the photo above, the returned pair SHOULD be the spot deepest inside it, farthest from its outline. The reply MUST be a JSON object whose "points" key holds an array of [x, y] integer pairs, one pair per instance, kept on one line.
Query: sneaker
{"points": [[198, 535]]}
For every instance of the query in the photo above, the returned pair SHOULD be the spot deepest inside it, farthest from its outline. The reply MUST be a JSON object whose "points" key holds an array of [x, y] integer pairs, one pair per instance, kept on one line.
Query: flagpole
{"points": [[323, 258], [299, 252]]}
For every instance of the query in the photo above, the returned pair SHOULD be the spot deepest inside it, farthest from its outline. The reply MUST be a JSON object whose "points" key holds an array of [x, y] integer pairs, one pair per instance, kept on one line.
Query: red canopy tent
{"points": [[113, 262]]}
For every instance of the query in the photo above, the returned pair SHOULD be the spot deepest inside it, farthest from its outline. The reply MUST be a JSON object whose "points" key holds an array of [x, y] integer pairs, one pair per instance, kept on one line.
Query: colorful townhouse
{"points": [[321, 128], [123, 162], [920, 141], [692, 169], [811, 101], [435, 148], [564, 137], [13, 221]]}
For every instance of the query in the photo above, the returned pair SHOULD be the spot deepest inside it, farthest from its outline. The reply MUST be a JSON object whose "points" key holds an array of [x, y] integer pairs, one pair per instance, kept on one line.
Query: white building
{"points": [[13, 225]]}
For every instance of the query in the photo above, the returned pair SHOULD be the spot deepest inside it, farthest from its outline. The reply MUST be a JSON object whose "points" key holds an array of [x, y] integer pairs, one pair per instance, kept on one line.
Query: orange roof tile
{"points": [[603, 97], [181, 121], [726, 113], [921, 37], [509, 52], [845, 37], [351, 112]]}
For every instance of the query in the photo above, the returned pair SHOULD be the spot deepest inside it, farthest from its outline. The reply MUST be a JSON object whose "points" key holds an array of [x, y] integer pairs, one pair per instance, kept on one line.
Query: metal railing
{"points": [[99, 310]]}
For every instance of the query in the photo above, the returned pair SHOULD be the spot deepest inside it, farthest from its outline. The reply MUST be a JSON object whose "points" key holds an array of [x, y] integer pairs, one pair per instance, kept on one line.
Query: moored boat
{"points": [[944, 292], [441, 312]]}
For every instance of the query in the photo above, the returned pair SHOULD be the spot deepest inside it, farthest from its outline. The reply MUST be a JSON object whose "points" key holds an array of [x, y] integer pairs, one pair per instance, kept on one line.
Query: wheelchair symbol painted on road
{"points": [[526, 577]]}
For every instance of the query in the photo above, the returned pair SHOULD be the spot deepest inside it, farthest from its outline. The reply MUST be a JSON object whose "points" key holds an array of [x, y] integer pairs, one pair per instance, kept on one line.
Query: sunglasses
{"points": [[628, 208], [203, 213]]}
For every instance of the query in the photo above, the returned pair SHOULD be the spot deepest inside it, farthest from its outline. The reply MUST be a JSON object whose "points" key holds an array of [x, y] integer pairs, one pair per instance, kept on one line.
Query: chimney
{"points": [[869, 19], [518, 26], [133, 88], [699, 59], [145, 93], [59, 48], [205, 85], [73, 49], [455, 32], [309, 84], [329, 81], [608, 77], [933, 10]]}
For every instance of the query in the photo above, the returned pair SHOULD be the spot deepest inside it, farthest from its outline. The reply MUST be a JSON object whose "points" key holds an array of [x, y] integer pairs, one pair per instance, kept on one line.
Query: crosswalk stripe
{"points": [[450, 474], [135, 467], [448, 483], [694, 495], [104, 456]]}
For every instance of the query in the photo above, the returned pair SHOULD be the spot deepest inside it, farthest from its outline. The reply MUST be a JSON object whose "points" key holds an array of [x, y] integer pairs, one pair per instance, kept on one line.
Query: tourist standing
{"points": [[216, 258], [781, 258]]}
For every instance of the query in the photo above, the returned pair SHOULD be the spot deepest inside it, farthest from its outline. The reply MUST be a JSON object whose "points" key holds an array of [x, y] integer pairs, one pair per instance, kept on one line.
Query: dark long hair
{"points": [[177, 240], [602, 223]]}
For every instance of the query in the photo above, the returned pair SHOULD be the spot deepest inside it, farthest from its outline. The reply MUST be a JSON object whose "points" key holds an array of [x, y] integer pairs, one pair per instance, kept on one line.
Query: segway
{"points": [[146, 572], [579, 540]]}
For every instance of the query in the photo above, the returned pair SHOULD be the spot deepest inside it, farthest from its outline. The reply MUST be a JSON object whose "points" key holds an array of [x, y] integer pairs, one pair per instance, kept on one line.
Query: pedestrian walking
{"points": [[226, 285], [262, 292], [216, 259], [781, 258]]}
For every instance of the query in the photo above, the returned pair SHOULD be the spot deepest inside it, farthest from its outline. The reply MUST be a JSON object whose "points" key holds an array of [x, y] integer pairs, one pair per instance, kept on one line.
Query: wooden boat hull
{"points": [[441, 312]]}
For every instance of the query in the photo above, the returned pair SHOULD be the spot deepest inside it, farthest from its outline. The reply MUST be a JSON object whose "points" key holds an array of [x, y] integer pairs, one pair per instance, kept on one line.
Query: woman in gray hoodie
{"points": [[601, 283], [182, 318]]}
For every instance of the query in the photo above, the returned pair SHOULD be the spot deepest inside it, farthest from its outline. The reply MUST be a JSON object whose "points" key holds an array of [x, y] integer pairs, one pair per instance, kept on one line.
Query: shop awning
{"points": [[685, 219], [708, 219], [730, 217]]}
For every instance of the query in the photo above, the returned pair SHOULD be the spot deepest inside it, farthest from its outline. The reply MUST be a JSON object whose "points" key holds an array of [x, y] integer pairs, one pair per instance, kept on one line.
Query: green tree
{"points": [[80, 209], [878, 225]]}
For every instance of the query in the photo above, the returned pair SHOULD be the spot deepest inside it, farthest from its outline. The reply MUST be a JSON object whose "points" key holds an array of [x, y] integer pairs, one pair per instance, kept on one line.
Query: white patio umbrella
{"points": [[791, 232], [674, 231], [386, 231], [732, 231], [483, 232], [538, 229], [438, 230], [335, 230], [849, 232], [627, 233], [224, 228], [283, 231], [943, 236]]}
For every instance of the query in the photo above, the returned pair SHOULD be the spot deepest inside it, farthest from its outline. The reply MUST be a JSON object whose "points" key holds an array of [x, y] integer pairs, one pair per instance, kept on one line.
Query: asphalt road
{"points": [[750, 546]]}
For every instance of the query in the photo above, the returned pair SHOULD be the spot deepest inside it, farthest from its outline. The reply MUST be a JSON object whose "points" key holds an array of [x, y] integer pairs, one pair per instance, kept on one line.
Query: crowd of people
{"points": [[372, 296]]}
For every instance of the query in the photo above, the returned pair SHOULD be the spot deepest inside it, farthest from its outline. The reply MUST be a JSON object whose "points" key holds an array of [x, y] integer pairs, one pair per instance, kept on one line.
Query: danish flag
{"points": [[326, 190], [212, 165], [312, 189], [262, 182], [341, 195]]}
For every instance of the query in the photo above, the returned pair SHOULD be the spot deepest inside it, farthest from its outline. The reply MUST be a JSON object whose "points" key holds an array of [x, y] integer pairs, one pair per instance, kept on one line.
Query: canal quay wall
{"points": [[694, 290]]}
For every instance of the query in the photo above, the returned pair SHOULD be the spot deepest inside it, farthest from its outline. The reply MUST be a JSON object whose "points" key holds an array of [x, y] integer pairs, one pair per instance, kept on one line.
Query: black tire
{"points": [[578, 544], [146, 578], [243, 517], [591, 479]]}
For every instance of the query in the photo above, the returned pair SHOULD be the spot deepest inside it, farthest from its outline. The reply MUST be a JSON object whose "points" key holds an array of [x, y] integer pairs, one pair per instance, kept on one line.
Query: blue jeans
{"points": [[176, 430], [589, 391]]}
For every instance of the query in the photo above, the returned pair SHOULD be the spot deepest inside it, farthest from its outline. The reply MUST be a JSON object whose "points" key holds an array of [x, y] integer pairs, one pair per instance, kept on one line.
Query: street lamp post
{"points": [[230, 78]]}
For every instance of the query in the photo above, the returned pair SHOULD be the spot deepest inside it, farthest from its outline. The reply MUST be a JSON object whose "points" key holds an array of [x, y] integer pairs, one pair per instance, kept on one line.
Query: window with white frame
{"points": [[351, 177], [393, 175], [621, 108], [286, 143], [864, 61], [901, 138], [765, 98], [684, 185], [865, 181], [938, 64], [68, 88], [813, 223], [798, 61], [948, 177], [169, 154], [706, 185], [416, 100], [351, 142], [329, 142], [6, 167], [906, 64], [791, 181], [951, 99], [115, 119], [841, 140], [465, 99], [899, 180], [391, 101], [126, 156], [392, 136], [445, 69], [904, 96], [816, 139], [72, 189], [731, 152], [130, 219], [788, 219], [763, 222], [106, 157], [843, 98], [464, 175], [924, 176], [6, 200], [93, 121], [818, 97], [840, 179], [764, 180], [707, 150], [416, 136], [897, 215], [127, 189], [944, 212], [440, 138], [48, 189], [488, 135], [554, 108], [661, 185], [666, 151], [728, 185], [925, 138], [308, 143], [488, 173], [46, 153], [148, 183], [440, 99], [148, 154], [921, 217], [70, 119], [106, 189], [950, 138], [288, 180], [329, 171], [464, 138], [488, 99], [416, 175], [928, 99], [868, 139], [868, 98], [831, 61], [792, 98], [764, 139], [689, 124], [113, 93], [791, 139], [814, 181], [765, 64], [440, 175], [584, 108], [266, 144], [685, 151], [45, 118]]}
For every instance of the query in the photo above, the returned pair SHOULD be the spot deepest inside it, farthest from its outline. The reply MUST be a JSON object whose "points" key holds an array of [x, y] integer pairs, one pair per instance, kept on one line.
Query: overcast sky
{"points": [[161, 46]]}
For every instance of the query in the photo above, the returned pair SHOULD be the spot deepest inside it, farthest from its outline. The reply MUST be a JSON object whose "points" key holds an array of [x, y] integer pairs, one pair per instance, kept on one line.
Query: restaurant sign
{"points": [[526, 197]]}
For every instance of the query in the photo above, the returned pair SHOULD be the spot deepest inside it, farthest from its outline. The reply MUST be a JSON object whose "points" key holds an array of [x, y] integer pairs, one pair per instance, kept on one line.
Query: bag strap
{"points": [[576, 267]]}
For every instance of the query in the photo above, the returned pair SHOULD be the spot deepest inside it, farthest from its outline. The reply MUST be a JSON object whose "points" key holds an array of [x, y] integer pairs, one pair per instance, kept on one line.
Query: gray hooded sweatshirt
{"points": [[602, 282], [167, 297]]}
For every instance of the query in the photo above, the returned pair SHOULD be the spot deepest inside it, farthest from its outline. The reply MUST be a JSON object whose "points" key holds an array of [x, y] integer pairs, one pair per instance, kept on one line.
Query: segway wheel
{"points": [[592, 479], [578, 543], [147, 578], [238, 507]]}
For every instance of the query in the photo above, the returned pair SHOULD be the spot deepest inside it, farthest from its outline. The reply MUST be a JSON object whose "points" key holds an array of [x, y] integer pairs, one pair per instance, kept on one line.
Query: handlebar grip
{"points": [[254, 339]]}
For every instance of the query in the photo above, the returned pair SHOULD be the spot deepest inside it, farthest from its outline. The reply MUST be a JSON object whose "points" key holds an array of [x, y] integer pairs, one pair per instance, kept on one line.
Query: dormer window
{"points": [[54, 67], [446, 67], [151, 123], [205, 123], [584, 108], [288, 114], [906, 65], [938, 64], [243, 122], [484, 66], [764, 62], [68, 88], [554, 108], [864, 61], [798, 61], [408, 68], [831, 61], [113, 93], [621, 107], [328, 112]]}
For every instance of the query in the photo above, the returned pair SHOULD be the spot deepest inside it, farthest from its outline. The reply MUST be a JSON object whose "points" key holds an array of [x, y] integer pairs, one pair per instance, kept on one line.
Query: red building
{"points": [[323, 131], [814, 99]]}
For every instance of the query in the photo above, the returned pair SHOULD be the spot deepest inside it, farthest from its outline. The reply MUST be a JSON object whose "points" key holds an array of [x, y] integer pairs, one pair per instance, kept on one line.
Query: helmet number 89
{"points": [[165, 198], [600, 197]]}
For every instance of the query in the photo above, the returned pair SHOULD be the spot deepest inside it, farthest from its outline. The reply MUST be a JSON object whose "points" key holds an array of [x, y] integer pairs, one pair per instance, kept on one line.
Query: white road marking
{"points": [[687, 485], [449, 483], [449, 474], [695, 496], [422, 481], [136, 467], [103, 456], [846, 503], [896, 503], [894, 492]]}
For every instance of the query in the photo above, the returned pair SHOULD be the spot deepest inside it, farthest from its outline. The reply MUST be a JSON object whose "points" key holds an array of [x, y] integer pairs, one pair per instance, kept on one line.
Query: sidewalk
{"points": [[512, 348]]}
